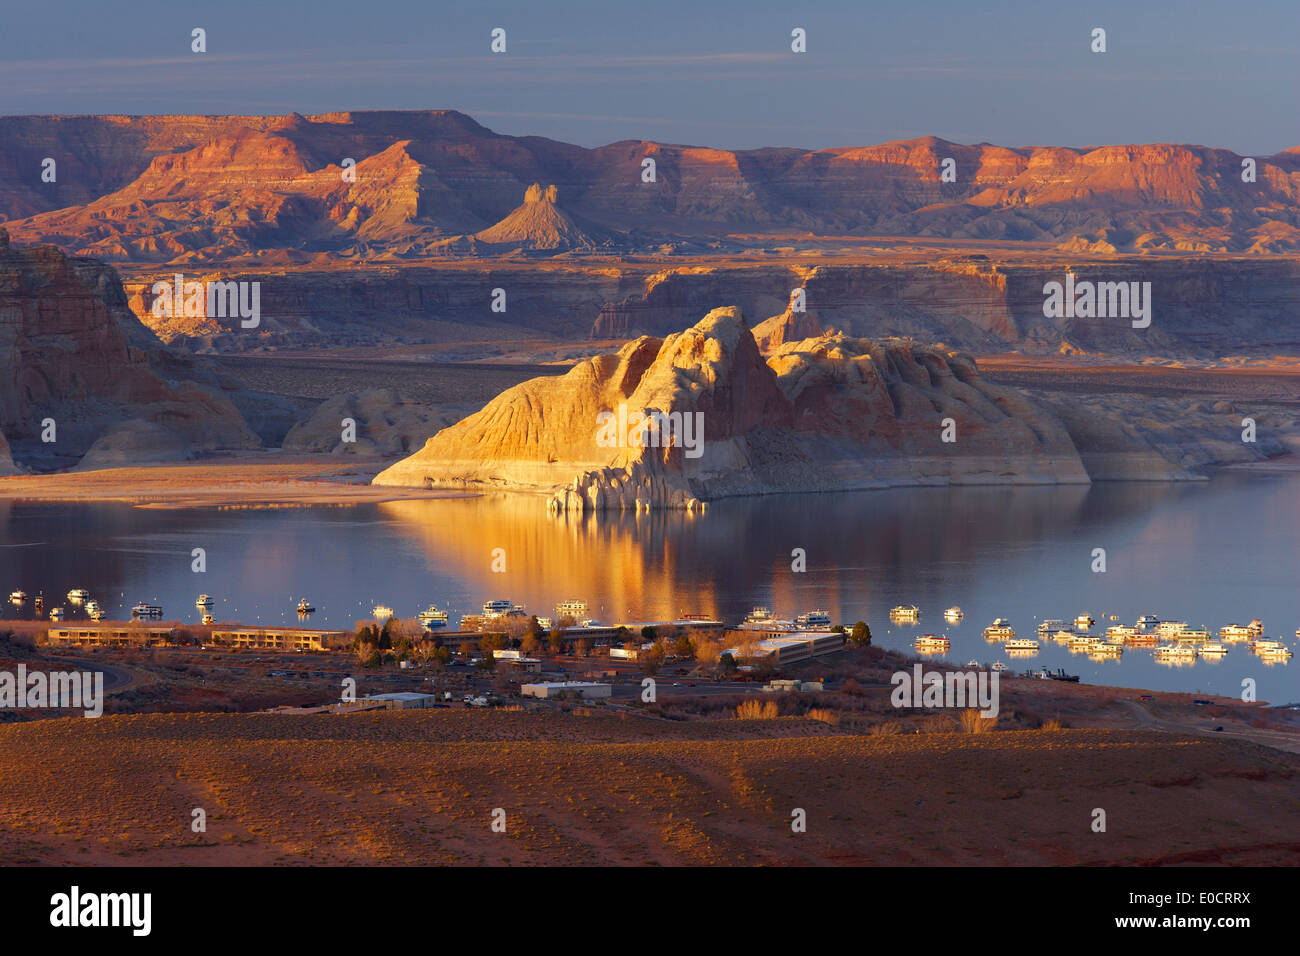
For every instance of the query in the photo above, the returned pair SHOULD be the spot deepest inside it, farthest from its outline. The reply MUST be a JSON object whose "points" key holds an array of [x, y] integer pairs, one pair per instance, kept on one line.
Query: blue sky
{"points": [[708, 73]]}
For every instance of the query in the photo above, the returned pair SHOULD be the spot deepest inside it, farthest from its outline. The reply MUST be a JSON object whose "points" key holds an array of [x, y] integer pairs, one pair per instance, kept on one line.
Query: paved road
{"points": [[115, 678], [1145, 720]]}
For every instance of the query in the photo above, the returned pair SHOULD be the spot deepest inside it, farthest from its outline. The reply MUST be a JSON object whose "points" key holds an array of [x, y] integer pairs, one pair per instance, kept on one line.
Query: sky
{"points": [[716, 73]]}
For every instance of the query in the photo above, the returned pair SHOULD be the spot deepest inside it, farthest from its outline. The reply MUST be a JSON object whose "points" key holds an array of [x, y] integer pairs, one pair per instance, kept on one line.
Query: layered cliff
{"points": [[823, 414], [1201, 306], [72, 354], [186, 189]]}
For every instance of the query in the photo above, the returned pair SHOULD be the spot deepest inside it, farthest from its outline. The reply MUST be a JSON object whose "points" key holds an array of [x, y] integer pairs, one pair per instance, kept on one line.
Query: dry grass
{"points": [[757, 710], [417, 788], [824, 716], [971, 721]]}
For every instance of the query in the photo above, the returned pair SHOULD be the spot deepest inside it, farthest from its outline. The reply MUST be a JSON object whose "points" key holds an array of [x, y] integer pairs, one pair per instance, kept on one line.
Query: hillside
{"points": [[420, 788], [186, 189]]}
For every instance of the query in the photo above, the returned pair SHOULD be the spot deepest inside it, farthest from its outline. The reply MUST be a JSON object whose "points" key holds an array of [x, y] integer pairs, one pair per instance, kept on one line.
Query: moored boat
{"points": [[1000, 630], [432, 618]]}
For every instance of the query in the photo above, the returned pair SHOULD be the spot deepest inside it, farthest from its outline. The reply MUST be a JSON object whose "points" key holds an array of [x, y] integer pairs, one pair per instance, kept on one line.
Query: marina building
{"points": [[108, 635], [281, 638], [584, 689]]}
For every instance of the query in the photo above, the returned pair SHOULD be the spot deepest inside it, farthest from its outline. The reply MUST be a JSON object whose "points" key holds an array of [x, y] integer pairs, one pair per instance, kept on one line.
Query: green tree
{"points": [[649, 633], [861, 635], [726, 663]]}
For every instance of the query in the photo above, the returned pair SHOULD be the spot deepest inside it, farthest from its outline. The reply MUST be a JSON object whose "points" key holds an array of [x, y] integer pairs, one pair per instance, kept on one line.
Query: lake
{"points": [[1207, 553]]}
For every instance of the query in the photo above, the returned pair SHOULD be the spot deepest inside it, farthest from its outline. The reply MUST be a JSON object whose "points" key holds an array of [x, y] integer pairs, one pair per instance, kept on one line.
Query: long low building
{"points": [[281, 638], [584, 689], [792, 648], [109, 635]]}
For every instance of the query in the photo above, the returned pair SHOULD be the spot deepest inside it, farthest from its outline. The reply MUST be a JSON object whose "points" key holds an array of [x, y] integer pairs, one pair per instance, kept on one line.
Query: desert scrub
{"points": [[757, 710], [971, 721]]}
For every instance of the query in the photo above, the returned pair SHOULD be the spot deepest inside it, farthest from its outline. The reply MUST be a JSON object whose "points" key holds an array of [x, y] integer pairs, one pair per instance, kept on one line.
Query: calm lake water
{"points": [[1208, 553]]}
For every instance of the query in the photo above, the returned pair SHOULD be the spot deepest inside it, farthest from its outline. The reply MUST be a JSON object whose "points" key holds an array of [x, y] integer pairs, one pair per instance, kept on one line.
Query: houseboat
{"points": [[1235, 632], [432, 618], [209, 619], [1000, 630], [77, 595], [1022, 644], [953, 614], [203, 600], [382, 612], [17, 597], [305, 607], [1270, 648], [1170, 628], [905, 612], [819, 620], [147, 610], [1256, 627], [1213, 647], [1118, 633], [930, 642], [1193, 634], [501, 607], [1148, 621], [574, 609], [1051, 624], [1175, 651], [1083, 622]]}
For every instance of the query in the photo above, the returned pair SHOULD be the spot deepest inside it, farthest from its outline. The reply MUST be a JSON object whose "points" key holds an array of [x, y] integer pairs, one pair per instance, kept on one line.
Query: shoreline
{"points": [[255, 480], [267, 479]]}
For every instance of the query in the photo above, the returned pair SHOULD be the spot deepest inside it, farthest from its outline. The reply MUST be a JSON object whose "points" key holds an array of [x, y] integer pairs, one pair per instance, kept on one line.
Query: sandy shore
{"points": [[253, 480]]}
